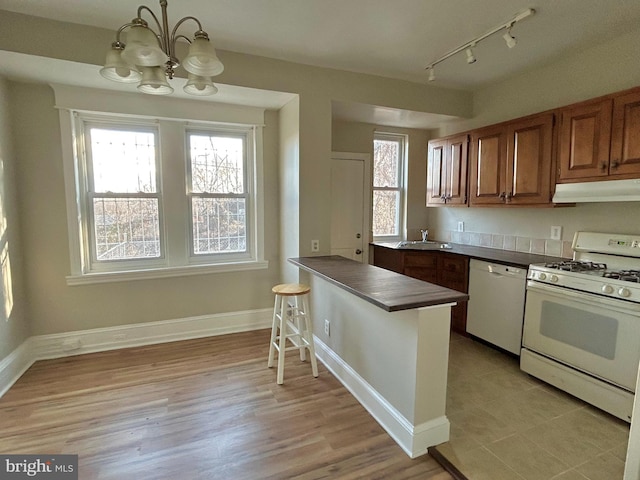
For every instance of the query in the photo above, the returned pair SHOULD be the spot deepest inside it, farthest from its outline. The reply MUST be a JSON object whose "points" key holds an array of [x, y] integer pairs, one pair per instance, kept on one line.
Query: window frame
{"points": [[400, 221], [248, 180], [176, 258]]}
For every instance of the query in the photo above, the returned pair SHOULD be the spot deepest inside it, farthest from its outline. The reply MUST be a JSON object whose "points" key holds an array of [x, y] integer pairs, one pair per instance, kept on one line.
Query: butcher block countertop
{"points": [[388, 290]]}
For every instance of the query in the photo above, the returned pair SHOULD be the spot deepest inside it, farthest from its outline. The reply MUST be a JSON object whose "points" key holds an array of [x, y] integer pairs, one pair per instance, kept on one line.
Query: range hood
{"points": [[605, 191]]}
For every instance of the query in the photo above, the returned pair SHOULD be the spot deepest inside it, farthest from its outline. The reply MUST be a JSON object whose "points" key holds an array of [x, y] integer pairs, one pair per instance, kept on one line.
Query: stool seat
{"points": [[291, 321], [291, 289]]}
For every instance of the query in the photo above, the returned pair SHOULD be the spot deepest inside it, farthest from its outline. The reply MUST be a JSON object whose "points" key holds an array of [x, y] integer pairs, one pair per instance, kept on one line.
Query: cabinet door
{"points": [[436, 173], [388, 258], [453, 272], [421, 265], [529, 153], [488, 166], [625, 136], [584, 140], [456, 172]]}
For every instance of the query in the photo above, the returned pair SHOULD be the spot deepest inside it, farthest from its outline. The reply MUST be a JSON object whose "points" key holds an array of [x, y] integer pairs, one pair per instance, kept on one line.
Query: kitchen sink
{"points": [[420, 245]]}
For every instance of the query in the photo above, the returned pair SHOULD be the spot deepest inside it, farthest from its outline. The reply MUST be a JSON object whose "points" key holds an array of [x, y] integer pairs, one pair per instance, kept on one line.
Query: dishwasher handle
{"points": [[505, 270]]}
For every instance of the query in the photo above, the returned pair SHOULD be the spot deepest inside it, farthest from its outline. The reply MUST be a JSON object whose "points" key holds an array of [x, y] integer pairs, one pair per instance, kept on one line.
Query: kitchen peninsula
{"points": [[386, 337]]}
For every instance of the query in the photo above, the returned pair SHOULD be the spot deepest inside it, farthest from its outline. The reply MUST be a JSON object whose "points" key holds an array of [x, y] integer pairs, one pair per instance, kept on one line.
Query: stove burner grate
{"points": [[577, 266], [624, 275]]}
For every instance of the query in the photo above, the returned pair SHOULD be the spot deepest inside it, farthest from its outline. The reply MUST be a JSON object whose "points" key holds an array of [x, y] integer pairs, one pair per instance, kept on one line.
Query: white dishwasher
{"points": [[495, 311]]}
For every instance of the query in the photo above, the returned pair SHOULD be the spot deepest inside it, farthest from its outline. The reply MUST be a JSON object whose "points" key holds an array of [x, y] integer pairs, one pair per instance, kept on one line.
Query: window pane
{"points": [[219, 225], [122, 161], [385, 212], [217, 164], [386, 160], [126, 228]]}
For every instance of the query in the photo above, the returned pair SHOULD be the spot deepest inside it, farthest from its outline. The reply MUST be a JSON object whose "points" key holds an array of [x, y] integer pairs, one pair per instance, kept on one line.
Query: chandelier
{"points": [[149, 56]]}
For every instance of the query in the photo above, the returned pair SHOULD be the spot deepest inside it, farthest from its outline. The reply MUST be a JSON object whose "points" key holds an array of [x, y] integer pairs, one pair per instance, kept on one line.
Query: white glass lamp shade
{"points": [[202, 59], [154, 81], [143, 48], [197, 85], [116, 69]]}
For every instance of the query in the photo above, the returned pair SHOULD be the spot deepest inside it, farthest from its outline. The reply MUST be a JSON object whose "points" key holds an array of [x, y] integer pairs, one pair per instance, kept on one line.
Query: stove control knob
{"points": [[542, 276], [607, 289], [624, 292], [554, 278]]}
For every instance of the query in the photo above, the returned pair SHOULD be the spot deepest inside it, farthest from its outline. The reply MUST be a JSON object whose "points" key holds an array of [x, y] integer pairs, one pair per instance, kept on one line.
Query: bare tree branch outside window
{"points": [[387, 184]]}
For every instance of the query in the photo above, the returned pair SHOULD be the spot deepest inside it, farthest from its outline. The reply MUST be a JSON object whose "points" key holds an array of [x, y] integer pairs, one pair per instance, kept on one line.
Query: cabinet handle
{"points": [[502, 195], [603, 166], [615, 164], [508, 197]]}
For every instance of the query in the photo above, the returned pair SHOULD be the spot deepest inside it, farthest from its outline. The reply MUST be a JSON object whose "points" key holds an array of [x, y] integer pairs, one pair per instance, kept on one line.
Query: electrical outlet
{"points": [[315, 245], [461, 226], [327, 325], [556, 232]]}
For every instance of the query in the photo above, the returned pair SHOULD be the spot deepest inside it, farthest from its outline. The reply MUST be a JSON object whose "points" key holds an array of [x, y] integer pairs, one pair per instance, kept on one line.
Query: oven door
{"points": [[597, 335]]}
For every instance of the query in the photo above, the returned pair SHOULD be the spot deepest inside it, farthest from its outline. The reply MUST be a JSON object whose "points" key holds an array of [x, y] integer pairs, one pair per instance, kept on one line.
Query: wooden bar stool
{"points": [[291, 320]]}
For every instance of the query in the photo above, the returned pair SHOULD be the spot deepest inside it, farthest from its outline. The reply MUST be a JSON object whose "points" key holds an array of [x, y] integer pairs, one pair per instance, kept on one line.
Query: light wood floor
{"points": [[199, 409]]}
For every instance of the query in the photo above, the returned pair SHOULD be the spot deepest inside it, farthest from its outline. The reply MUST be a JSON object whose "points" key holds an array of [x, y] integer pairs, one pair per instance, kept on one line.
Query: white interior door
{"points": [[349, 235]]}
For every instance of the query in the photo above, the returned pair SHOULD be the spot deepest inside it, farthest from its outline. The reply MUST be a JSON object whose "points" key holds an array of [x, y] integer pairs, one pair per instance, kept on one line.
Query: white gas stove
{"points": [[603, 264], [582, 321]]}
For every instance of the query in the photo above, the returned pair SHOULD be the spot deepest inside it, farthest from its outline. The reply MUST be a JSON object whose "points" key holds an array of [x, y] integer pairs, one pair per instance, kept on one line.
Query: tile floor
{"points": [[508, 425]]}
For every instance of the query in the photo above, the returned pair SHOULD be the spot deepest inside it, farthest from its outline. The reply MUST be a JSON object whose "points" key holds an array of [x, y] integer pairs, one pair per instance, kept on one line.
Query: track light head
{"points": [[510, 39], [432, 74], [471, 58]]}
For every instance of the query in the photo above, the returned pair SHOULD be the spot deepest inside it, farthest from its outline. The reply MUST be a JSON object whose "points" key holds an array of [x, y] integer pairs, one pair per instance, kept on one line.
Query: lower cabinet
{"points": [[444, 269]]}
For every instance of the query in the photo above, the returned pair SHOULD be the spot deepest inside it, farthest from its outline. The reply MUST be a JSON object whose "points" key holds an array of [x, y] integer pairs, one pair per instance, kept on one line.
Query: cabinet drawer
{"points": [[453, 264], [415, 259]]}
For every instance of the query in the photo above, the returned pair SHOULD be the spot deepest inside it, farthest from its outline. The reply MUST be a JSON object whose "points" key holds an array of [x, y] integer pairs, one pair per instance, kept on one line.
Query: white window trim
{"points": [[70, 99], [402, 179]]}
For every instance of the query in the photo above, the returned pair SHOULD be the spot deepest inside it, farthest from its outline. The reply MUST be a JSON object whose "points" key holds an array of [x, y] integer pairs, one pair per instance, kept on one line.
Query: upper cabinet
{"points": [[447, 171], [600, 140], [511, 163]]}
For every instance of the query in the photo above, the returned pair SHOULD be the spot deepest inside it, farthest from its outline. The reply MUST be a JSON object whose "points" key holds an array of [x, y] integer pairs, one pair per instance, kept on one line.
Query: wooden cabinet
{"points": [[453, 272], [447, 171], [388, 258], [600, 140], [511, 163], [583, 140], [440, 268]]}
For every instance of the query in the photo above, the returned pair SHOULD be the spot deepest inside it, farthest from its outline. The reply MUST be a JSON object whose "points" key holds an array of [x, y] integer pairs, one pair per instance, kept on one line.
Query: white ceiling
{"points": [[391, 38]]}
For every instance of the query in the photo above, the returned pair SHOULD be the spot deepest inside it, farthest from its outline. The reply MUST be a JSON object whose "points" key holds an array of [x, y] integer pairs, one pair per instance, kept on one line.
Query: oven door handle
{"points": [[619, 305]]}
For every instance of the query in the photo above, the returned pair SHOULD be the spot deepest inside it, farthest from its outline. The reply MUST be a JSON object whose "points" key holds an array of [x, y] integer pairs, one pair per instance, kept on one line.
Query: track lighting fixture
{"points": [[510, 39], [469, 46], [471, 58]]}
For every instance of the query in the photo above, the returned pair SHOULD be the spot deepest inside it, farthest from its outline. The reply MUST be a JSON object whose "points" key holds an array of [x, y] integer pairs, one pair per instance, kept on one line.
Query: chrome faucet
{"points": [[425, 235]]}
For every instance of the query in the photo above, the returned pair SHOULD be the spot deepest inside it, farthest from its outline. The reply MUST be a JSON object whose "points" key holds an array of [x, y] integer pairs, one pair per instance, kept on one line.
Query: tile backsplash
{"points": [[540, 246]]}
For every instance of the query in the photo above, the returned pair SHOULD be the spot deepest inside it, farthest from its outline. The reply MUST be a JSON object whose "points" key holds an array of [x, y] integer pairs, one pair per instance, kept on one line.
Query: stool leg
{"points": [[300, 325], [283, 338], [274, 332], [309, 334]]}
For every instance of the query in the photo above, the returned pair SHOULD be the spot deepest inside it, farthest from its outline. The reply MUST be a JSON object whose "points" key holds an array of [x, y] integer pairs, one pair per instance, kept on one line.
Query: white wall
{"points": [[14, 326]]}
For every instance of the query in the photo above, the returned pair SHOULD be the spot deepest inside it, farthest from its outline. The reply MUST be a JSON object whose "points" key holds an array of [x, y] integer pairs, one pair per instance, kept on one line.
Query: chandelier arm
{"points": [[173, 38], [182, 36], [122, 29]]}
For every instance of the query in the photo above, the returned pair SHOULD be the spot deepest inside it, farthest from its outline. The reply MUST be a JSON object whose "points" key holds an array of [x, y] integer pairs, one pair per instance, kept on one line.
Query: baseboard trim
{"points": [[42, 347], [415, 440], [13, 366]]}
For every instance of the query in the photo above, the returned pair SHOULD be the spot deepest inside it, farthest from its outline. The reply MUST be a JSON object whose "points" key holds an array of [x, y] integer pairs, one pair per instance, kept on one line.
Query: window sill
{"points": [[167, 272]]}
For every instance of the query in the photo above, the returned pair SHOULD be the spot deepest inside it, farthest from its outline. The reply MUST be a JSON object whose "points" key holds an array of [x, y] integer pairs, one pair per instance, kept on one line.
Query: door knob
{"points": [[358, 251]]}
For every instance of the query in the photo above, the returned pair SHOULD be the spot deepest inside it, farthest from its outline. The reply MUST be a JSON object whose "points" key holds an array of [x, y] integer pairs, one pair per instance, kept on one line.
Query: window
{"points": [[388, 198], [163, 197], [218, 192]]}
